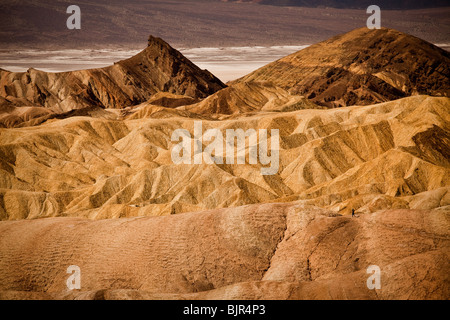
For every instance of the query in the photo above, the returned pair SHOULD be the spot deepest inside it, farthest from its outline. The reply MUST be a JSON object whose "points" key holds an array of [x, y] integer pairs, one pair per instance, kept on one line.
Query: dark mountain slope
{"points": [[361, 67]]}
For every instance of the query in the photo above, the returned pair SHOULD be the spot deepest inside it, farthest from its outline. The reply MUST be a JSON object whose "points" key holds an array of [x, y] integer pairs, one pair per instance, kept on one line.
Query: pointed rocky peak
{"points": [[158, 47], [157, 42], [159, 68], [165, 69]]}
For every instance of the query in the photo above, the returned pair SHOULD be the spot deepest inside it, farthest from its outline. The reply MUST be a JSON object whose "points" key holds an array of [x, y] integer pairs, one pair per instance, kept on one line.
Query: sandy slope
{"points": [[262, 251]]}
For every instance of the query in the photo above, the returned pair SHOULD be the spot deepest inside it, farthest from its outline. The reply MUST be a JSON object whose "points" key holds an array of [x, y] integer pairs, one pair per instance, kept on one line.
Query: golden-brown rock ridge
{"points": [[158, 68], [361, 67], [389, 155]]}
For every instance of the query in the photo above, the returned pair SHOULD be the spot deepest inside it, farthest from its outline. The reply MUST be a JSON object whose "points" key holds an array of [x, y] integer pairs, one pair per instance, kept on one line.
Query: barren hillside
{"points": [[262, 251], [361, 67], [158, 68], [87, 178]]}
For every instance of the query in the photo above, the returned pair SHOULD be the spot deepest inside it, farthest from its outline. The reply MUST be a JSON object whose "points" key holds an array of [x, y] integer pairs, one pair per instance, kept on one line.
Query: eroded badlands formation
{"points": [[87, 178]]}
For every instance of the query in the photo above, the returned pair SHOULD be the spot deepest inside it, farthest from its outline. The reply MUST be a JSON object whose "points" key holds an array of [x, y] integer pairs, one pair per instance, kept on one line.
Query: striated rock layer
{"points": [[389, 155]]}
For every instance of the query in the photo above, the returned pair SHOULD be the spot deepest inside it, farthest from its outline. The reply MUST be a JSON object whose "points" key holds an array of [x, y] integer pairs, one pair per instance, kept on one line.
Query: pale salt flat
{"points": [[225, 63]]}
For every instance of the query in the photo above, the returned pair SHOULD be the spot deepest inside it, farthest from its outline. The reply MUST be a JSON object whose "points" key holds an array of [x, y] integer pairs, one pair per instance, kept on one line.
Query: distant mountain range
{"points": [[200, 23], [352, 4]]}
